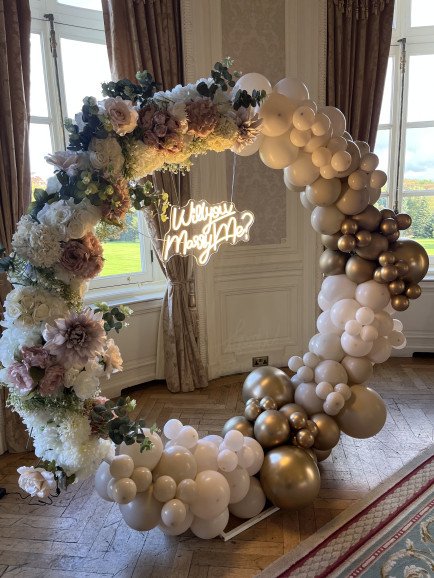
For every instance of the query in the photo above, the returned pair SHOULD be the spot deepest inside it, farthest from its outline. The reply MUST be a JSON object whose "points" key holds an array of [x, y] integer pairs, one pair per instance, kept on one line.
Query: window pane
{"points": [[386, 105], [382, 203], [90, 4], [419, 160], [81, 81], [122, 256], [382, 150], [420, 85], [422, 13], [38, 96], [39, 145], [421, 210]]}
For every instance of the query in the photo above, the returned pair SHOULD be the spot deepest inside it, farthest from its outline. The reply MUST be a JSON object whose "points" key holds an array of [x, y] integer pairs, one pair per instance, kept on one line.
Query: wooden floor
{"points": [[80, 535]]}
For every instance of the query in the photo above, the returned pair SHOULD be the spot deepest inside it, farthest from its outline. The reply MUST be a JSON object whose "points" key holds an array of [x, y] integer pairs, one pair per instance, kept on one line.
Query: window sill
{"points": [[127, 294]]}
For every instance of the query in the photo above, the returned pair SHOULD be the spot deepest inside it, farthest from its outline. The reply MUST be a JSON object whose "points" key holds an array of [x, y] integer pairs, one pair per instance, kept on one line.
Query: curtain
{"points": [[146, 35], [14, 158], [358, 44]]}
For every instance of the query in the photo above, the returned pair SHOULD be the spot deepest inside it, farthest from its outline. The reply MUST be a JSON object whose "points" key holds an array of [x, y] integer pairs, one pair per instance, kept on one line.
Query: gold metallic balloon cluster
{"points": [[368, 247]]}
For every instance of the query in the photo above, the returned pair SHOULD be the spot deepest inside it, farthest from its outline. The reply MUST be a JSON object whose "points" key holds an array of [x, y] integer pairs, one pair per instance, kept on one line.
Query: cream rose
{"points": [[122, 115], [106, 154], [41, 313], [36, 481]]}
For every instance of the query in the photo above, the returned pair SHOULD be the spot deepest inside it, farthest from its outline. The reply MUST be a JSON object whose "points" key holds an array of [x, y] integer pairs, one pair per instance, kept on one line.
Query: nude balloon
{"points": [[276, 114], [359, 369], [372, 294], [305, 396], [327, 220], [252, 504], [278, 152], [338, 287], [323, 192], [302, 171], [292, 88], [330, 371]]}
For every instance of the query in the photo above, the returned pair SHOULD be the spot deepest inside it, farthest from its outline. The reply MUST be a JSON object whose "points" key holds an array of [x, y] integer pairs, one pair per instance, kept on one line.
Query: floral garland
{"points": [[53, 350]]}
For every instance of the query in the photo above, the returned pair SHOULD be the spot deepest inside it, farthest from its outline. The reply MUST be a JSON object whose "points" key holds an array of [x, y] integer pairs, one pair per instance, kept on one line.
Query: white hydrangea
{"points": [[84, 383], [72, 221], [106, 154], [13, 339], [30, 306], [39, 244]]}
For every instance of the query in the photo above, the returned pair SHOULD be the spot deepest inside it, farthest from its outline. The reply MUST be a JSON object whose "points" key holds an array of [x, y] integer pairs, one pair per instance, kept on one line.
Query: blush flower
{"points": [[35, 357], [76, 339], [36, 481], [202, 117], [83, 257], [161, 129], [52, 382], [20, 378], [112, 358], [122, 115]]}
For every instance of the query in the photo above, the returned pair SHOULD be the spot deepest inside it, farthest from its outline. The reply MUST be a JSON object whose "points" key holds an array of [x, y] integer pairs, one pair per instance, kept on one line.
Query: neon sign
{"points": [[199, 229]]}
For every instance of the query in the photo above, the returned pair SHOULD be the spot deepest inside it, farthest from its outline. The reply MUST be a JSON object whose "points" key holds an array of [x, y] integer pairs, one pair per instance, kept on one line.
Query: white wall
{"points": [[418, 323]]}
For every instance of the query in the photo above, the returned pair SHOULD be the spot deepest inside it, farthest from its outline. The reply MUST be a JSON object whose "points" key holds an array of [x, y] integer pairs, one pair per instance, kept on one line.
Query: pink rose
{"points": [[20, 378], [52, 382], [35, 357], [160, 130], [159, 118], [68, 161], [122, 115], [83, 257]]}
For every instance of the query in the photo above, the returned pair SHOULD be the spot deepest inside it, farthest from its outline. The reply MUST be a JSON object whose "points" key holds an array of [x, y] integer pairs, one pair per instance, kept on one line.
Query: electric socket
{"points": [[260, 361]]}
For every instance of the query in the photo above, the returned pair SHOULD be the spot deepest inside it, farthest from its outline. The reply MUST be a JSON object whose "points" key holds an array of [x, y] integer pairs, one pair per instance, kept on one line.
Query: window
{"points": [[83, 65], [410, 186]]}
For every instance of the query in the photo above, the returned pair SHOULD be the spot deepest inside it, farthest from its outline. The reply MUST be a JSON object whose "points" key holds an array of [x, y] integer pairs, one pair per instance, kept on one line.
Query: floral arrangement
{"points": [[54, 351]]}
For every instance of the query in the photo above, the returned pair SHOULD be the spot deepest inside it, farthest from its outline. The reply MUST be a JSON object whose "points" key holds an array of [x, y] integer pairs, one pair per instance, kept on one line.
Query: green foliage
{"points": [[422, 216], [93, 127], [127, 90], [222, 78], [143, 195], [243, 98], [6, 261], [114, 317], [41, 199]]}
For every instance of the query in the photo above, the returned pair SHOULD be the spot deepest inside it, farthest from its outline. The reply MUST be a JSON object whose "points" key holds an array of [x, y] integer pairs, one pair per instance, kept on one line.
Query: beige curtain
{"points": [[359, 33], [146, 35], [14, 158]]}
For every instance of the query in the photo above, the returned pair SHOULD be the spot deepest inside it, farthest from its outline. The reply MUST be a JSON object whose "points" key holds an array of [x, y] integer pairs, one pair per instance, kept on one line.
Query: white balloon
{"points": [[324, 303], [234, 440], [300, 138], [178, 529], [323, 192], [336, 287], [295, 362], [341, 161], [164, 488], [142, 477], [323, 389], [110, 485], [172, 428], [321, 124], [342, 311], [124, 490], [380, 351], [249, 149], [353, 327], [327, 346], [336, 144], [213, 495], [276, 113], [363, 147], [252, 81], [378, 179], [187, 437], [305, 201], [330, 371], [278, 152], [325, 325], [397, 325], [301, 171], [303, 118], [369, 333], [216, 440], [328, 172], [292, 88], [397, 340], [210, 528], [143, 513], [354, 346], [311, 360], [337, 119], [227, 460], [310, 103], [246, 457], [173, 513], [146, 458], [239, 483], [369, 162], [372, 294], [205, 454], [365, 315], [258, 453], [305, 374], [358, 180], [102, 478], [321, 157], [186, 491], [290, 186], [252, 504], [317, 141], [122, 466], [384, 323]]}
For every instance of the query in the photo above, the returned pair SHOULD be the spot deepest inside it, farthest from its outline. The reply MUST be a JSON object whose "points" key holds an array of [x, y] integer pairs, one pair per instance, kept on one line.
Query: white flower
{"points": [[112, 358], [106, 154], [40, 244], [13, 339], [53, 185], [121, 114], [36, 481], [72, 221], [85, 384], [29, 306]]}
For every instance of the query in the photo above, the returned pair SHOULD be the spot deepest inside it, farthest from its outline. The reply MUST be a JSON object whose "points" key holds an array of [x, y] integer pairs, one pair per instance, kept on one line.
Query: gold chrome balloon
{"points": [[268, 381], [359, 270], [297, 420], [328, 432], [369, 219], [402, 267], [378, 245], [304, 438], [397, 287], [386, 258], [332, 262], [239, 423], [267, 402], [388, 226], [389, 273], [322, 455], [364, 414], [399, 302], [377, 275], [413, 291], [404, 221], [347, 243], [312, 427], [387, 214], [289, 477], [363, 238], [393, 237], [290, 408], [252, 410], [271, 428], [415, 256], [349, 227], [311, 453]]}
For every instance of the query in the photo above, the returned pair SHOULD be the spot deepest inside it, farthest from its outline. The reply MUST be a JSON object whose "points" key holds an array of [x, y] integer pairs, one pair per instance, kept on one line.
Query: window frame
{"points": [[87, 25]]}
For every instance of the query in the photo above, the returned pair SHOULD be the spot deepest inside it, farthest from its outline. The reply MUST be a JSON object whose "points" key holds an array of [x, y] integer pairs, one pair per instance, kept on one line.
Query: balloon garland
{"points": [[53, 351]]}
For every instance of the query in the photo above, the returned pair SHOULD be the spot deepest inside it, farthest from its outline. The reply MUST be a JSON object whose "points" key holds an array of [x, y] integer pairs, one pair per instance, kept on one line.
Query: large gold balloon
{"points": [[332, 262], [240, 423], [328, 432], [322, 455], [290, 477], [331, 241], [271, 428], [377, 245], [290, 408], [369, 219], [268, 381], [364, 414], [415, 256], [359, 270]]}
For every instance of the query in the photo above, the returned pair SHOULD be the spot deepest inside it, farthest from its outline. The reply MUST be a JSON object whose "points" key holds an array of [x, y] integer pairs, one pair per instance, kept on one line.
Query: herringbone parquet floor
{"points": [[80, 535]]}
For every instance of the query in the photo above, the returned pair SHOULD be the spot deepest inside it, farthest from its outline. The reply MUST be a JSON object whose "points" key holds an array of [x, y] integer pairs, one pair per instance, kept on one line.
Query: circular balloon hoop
{"points": [[54, 351]]}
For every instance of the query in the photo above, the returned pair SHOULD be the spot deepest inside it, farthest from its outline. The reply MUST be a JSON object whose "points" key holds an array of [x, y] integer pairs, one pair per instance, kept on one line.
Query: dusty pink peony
{"points": [[161, 130], [52, 382], [115, 208], [202, 117], [68, 161], [35, 356], [76, 339], [122, 115], [83, 257], [20, 378], [112, 358]]}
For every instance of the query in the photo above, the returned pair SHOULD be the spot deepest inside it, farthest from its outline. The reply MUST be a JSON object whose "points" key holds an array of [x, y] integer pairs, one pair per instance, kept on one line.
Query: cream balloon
{"points": [[323, 192], [258, 454], [327, 346], [213, 495], [292, 88], [302, 171], [143, 513], [300, 138], [323, 303], [227, 460], [187, 437], [246, 457], [210, 528], [380, 351], [186, 491], [239, 483], [177, 462], [325, 324], [164, 488], [355, 346], [177, 529], [337, 119], [290, 186], [372, 294], [303, 118], [121, 466], [205, 454], [252, 504], [249, 149], [306, 397], [276, 113], [173, 513], [321, 124], [146, 458], [321, 157], [278, 152], [342, 311], [326, 220], [317, 141], [102, 478], [331, 371], [142, 477], [338, 287], [252, 81]]}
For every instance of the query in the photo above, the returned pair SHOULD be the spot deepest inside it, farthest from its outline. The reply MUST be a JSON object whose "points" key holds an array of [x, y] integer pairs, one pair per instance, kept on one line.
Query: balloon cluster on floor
{"points": [[188, 483]]}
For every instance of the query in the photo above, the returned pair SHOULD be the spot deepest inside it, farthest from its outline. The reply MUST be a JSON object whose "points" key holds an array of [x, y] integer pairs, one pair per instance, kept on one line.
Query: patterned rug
{"points": [[389, 534]]}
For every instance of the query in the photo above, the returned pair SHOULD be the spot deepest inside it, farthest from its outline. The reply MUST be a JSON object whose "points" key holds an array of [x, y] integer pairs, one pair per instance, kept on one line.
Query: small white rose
{"points": [[36, 481]]}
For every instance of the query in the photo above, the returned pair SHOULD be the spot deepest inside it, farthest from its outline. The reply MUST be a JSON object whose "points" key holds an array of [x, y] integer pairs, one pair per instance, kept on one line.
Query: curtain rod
{"points": [[70, 25]]}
